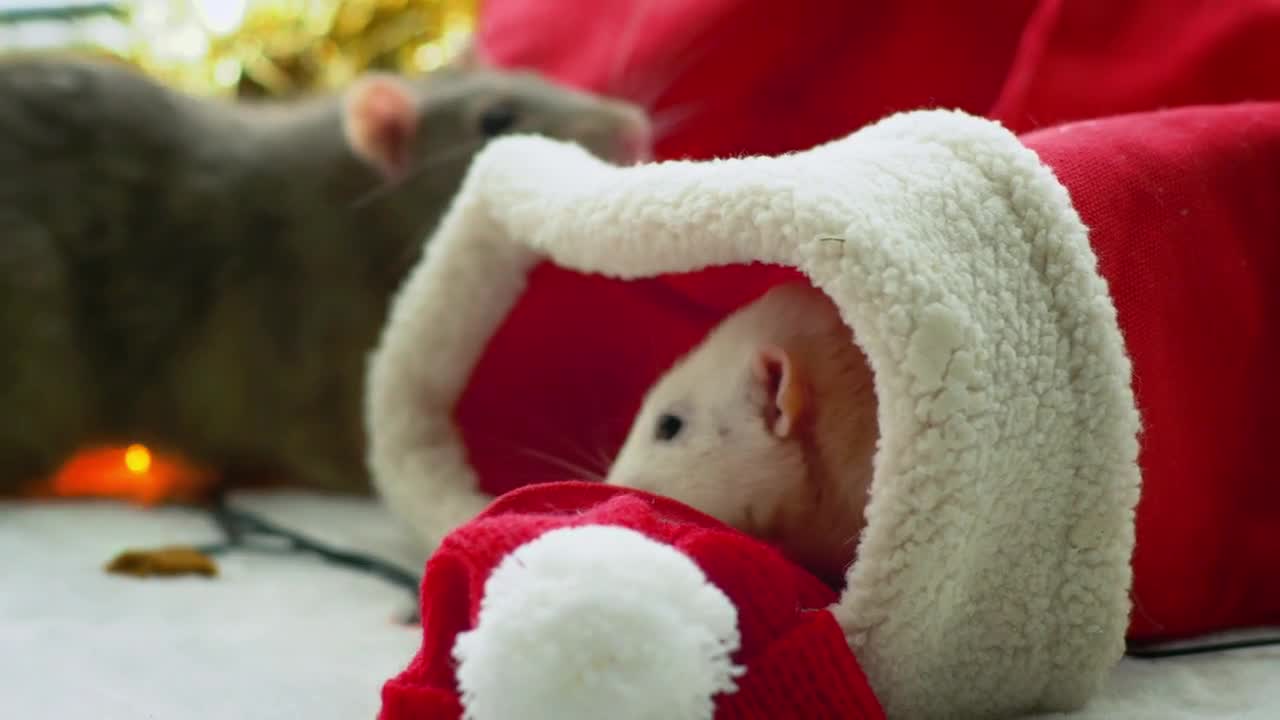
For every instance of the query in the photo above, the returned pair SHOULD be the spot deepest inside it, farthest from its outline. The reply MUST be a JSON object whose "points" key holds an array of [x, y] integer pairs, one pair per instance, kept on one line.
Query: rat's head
{"points": [[419, 136], [427, 129], [769, 425], [725, 430]]}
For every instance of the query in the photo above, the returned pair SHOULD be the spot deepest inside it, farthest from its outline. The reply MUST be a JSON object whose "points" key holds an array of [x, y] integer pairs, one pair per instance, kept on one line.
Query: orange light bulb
{"points": [[137, 458]]}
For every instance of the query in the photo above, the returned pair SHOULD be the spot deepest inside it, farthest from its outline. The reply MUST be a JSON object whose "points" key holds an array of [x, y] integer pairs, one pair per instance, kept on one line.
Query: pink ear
{"points": [[380, 123], [470, 56], [787, 397]]}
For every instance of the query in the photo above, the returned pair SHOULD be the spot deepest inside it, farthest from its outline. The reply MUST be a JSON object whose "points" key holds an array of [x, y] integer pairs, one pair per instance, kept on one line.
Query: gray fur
{"points": [[200, 276]]}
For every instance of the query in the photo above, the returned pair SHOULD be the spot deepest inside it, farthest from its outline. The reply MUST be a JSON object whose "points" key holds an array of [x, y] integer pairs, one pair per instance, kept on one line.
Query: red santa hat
{"points": [[579, 601]]}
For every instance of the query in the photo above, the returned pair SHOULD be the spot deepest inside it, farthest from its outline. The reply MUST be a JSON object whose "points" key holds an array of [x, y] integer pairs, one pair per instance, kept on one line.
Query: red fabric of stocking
{"points": [[1184, 213]]}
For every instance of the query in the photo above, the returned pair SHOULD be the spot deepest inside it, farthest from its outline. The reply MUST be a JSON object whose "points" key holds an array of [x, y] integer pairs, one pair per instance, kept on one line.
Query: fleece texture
{"points": [[993, 573], [621, 610]]}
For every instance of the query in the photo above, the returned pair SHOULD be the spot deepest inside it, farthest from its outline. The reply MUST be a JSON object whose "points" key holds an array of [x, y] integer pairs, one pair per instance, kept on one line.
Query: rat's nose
{"points": [[636, 138]]}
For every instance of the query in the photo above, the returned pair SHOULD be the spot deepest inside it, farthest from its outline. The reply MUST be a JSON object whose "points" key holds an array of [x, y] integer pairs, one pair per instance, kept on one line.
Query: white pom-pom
{"points": [[598, 622]]}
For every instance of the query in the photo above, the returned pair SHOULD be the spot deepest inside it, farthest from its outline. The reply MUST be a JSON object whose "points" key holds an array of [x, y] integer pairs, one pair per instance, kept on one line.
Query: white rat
{"points": [[770, 426]]}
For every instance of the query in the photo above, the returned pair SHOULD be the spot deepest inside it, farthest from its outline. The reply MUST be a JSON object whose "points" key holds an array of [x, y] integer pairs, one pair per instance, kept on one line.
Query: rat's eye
{"points": [[668, 427], [498, 119]]}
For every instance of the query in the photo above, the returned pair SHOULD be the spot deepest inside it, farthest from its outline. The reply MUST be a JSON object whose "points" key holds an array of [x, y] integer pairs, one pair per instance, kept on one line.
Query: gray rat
{"points": [[769, 425], [207, 276]]}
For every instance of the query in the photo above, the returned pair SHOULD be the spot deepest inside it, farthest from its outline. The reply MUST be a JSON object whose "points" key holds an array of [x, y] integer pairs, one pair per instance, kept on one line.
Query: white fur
{"points": [[993, 574], [597, 622]]}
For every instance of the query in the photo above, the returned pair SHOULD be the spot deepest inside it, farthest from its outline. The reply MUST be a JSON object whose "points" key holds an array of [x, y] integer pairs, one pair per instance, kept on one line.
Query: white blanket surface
{"points": [[289, 637]]}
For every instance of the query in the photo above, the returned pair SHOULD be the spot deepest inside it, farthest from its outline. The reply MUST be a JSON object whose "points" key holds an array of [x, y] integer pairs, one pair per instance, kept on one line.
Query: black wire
{"points": [[240, 525], [1179, 651]]}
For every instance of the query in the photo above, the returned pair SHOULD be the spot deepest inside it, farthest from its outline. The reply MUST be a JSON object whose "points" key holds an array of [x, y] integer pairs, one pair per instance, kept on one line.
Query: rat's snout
{"points": [[636, 137], [619, 132], [613, 478], [627, 480]]}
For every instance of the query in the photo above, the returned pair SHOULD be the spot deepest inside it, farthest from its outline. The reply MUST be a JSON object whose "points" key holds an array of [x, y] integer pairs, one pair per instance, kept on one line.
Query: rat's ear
{"points": [[380, 122], [787, 399], [470, 56]]}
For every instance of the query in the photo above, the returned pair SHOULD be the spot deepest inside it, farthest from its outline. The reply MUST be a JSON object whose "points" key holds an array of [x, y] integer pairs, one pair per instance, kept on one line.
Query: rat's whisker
{"points": [[579, 449], [646, 91], [658, 359], [627, 43], [594, 448], [486, 439], [669, 119], [678, 111], [590, 458], [853, 540], [415, 172], [603, 457], [562, 464]]}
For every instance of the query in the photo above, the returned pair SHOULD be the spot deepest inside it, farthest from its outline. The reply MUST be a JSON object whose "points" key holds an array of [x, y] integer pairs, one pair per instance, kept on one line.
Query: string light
{"points": [[137, 458], [131, 473], [251, 47], [285, 47]]}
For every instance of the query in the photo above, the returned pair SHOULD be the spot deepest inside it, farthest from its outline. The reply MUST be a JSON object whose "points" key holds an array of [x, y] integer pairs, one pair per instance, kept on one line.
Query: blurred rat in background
{"points": [[207, 277]]}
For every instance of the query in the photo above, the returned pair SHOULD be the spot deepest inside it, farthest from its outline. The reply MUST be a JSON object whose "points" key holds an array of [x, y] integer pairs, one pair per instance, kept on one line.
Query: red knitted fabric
{"points": [[798, 664]]}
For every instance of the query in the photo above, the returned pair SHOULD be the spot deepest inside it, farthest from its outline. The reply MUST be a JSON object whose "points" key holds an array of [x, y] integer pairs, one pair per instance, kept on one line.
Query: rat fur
{"points": [[207, 276]]}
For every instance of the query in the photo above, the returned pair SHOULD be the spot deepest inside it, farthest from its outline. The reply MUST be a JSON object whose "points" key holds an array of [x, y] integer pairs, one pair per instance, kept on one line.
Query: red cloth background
{"points": [[1183, 206], [766, 77]]}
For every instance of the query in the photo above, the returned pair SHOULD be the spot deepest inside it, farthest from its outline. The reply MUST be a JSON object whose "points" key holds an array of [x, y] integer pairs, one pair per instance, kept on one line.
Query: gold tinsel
{"points": [[280, 47]]}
